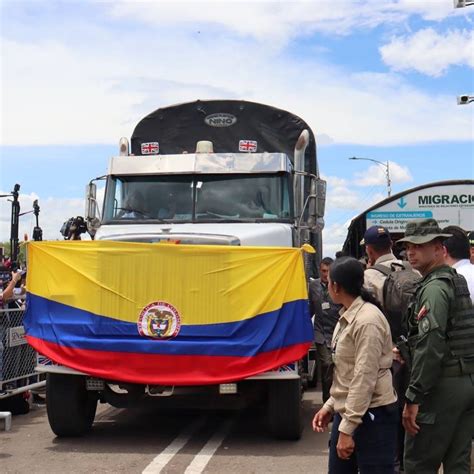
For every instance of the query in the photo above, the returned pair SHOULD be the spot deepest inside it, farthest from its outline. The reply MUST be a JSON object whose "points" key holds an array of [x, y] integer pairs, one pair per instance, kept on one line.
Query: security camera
{"points": [[462, 3], [465, 99]]}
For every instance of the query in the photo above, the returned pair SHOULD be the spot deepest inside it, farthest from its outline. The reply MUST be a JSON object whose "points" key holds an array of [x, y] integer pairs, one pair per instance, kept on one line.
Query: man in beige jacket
{"points": [[378, 246]]}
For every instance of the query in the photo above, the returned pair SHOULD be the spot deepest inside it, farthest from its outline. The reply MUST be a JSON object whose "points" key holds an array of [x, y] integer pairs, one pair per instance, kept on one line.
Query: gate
{"points": [[17, 358]]}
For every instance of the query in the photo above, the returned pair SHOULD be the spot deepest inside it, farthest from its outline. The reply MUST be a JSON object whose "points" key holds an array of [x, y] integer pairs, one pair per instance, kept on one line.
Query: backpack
{"points": [[398, 291]]}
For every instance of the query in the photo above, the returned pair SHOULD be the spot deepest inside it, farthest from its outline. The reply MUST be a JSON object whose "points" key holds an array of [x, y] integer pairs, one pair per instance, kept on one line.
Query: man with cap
{"points": [[378, 246], [471, 243], [326, 316], [457, 255], [439, 410]]}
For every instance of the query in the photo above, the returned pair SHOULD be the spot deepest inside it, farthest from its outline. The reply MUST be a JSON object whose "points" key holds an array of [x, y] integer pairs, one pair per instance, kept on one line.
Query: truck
{"points": [[214, 172]]}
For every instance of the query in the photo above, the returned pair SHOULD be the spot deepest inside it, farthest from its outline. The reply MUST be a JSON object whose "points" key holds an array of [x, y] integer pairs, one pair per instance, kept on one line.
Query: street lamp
{"points": [[465, 99], [386, 165]]}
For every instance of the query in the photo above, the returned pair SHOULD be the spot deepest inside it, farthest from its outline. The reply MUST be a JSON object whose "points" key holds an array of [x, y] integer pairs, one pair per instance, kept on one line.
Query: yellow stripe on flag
{"points": [[206, 284]]}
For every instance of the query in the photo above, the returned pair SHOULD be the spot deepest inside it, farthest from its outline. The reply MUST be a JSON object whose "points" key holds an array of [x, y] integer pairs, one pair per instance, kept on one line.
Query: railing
{"points": [[17, 359]]}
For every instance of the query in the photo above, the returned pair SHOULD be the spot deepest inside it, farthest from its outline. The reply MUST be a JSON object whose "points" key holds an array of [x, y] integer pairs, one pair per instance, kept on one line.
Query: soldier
{"points": [[439, 410]]}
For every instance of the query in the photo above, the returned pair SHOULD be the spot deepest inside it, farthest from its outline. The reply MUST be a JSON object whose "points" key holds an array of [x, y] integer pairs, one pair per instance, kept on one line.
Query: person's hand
{"points": [[345, 446], [16, 276], [321, 420], [409, 418], [397, 356]]}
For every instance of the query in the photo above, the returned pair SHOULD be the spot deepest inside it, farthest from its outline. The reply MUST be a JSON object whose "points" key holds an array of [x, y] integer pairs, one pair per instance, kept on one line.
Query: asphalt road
{"points": [[151, 441]]}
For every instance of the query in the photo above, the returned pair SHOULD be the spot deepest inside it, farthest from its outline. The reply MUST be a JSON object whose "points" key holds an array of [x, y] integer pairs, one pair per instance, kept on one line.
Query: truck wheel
{"points": [[284, 409], [71, 408]]}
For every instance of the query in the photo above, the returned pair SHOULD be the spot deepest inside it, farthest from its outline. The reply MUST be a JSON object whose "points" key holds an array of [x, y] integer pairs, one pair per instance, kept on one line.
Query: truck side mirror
{"points": [[92, 209], [91, 202], [317, 204]]}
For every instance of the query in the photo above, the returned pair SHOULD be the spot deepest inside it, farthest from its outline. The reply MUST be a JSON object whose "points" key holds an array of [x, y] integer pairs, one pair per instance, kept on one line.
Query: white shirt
{"points": [[465, 268]]}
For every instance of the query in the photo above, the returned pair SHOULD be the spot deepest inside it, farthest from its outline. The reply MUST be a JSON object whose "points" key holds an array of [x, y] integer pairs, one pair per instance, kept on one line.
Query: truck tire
{"points": [[284, 409], [70, 407]]}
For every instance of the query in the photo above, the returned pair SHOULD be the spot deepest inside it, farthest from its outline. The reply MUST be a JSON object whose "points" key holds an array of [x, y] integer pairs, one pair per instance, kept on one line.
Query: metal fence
{"points": [[17, 358]]}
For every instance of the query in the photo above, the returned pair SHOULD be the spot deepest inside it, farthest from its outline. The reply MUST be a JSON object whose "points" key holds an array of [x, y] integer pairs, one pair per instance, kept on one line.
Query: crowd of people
{"points": [[395, 340]]}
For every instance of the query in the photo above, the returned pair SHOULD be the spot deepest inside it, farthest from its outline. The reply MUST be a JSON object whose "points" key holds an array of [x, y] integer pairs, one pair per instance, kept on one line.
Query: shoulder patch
{"points": [[424, 325]]}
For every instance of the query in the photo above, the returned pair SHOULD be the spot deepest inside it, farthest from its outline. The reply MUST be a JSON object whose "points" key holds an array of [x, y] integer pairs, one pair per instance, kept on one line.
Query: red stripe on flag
{"points": [[162, 369]]}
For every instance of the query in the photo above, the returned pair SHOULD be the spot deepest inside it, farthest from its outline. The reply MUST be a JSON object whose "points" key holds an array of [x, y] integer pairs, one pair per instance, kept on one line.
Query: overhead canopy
{"points": [[227, 124], [449, 202]]}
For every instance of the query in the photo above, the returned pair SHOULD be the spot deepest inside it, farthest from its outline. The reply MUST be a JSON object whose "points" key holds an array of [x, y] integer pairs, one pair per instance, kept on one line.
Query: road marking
{"points": [[200, 461], [174, 447]]}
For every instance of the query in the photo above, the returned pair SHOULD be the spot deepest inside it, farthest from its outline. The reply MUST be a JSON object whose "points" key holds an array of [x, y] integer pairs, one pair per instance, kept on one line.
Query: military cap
{"points": [[422, 231]]}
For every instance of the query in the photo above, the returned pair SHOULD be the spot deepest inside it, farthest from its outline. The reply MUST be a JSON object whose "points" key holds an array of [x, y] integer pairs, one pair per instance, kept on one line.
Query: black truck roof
{"points": [[225, 123]]}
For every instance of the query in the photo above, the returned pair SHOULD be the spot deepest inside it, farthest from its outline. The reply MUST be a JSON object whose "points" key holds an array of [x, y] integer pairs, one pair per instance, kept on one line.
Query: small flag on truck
{"points": [[150, 148], [249, 146]]}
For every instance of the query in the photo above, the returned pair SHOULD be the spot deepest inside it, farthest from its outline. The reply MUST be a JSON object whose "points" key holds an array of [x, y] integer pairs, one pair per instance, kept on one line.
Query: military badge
{"points": [[159, 320], [424, 325]]}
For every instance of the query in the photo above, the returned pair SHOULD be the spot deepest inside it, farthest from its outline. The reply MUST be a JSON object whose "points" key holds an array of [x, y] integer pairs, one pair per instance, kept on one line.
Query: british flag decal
{"points": [[150, 148], [249, 146]]}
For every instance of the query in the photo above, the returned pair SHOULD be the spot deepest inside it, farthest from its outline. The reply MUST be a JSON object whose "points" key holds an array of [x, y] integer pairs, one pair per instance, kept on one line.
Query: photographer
{"points": [[73, 228]]}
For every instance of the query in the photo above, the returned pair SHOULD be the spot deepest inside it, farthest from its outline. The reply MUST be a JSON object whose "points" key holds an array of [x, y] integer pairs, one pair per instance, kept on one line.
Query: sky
{"points": [[374, 79]]}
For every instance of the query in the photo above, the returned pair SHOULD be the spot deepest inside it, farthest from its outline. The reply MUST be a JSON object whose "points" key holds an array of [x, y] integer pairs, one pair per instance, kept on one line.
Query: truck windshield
{"points": [[198, 198]]}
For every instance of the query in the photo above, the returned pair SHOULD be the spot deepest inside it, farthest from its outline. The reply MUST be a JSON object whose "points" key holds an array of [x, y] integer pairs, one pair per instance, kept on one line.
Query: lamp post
{"points": [[386, 165]]}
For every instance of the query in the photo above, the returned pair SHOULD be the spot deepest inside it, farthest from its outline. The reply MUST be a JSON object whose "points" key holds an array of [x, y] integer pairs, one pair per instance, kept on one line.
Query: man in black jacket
{"points": [[326, 315]]}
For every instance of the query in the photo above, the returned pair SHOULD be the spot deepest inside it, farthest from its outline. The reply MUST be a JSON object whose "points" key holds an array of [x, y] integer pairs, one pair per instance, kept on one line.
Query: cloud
{"points": [[276, 21], [342, 198], [376, 175], [66, 94], [429, 52], [334, 236], [80, 80]]}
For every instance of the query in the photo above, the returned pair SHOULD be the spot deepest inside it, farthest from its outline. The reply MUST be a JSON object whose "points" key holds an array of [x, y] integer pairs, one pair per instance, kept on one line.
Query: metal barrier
{"points": [[17, 359]]}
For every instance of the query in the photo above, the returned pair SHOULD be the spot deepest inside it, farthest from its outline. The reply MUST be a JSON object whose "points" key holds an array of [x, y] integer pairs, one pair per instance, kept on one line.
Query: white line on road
{"points": [[200, 461], [174, 447]]}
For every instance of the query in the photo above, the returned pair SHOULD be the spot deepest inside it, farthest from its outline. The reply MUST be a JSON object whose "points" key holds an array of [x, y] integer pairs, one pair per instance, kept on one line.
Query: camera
{"points": [[73, 228]]}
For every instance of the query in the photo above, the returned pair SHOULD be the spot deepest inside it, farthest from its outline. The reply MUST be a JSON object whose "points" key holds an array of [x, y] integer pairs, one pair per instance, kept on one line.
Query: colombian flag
{"points": [[167, 314]]}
